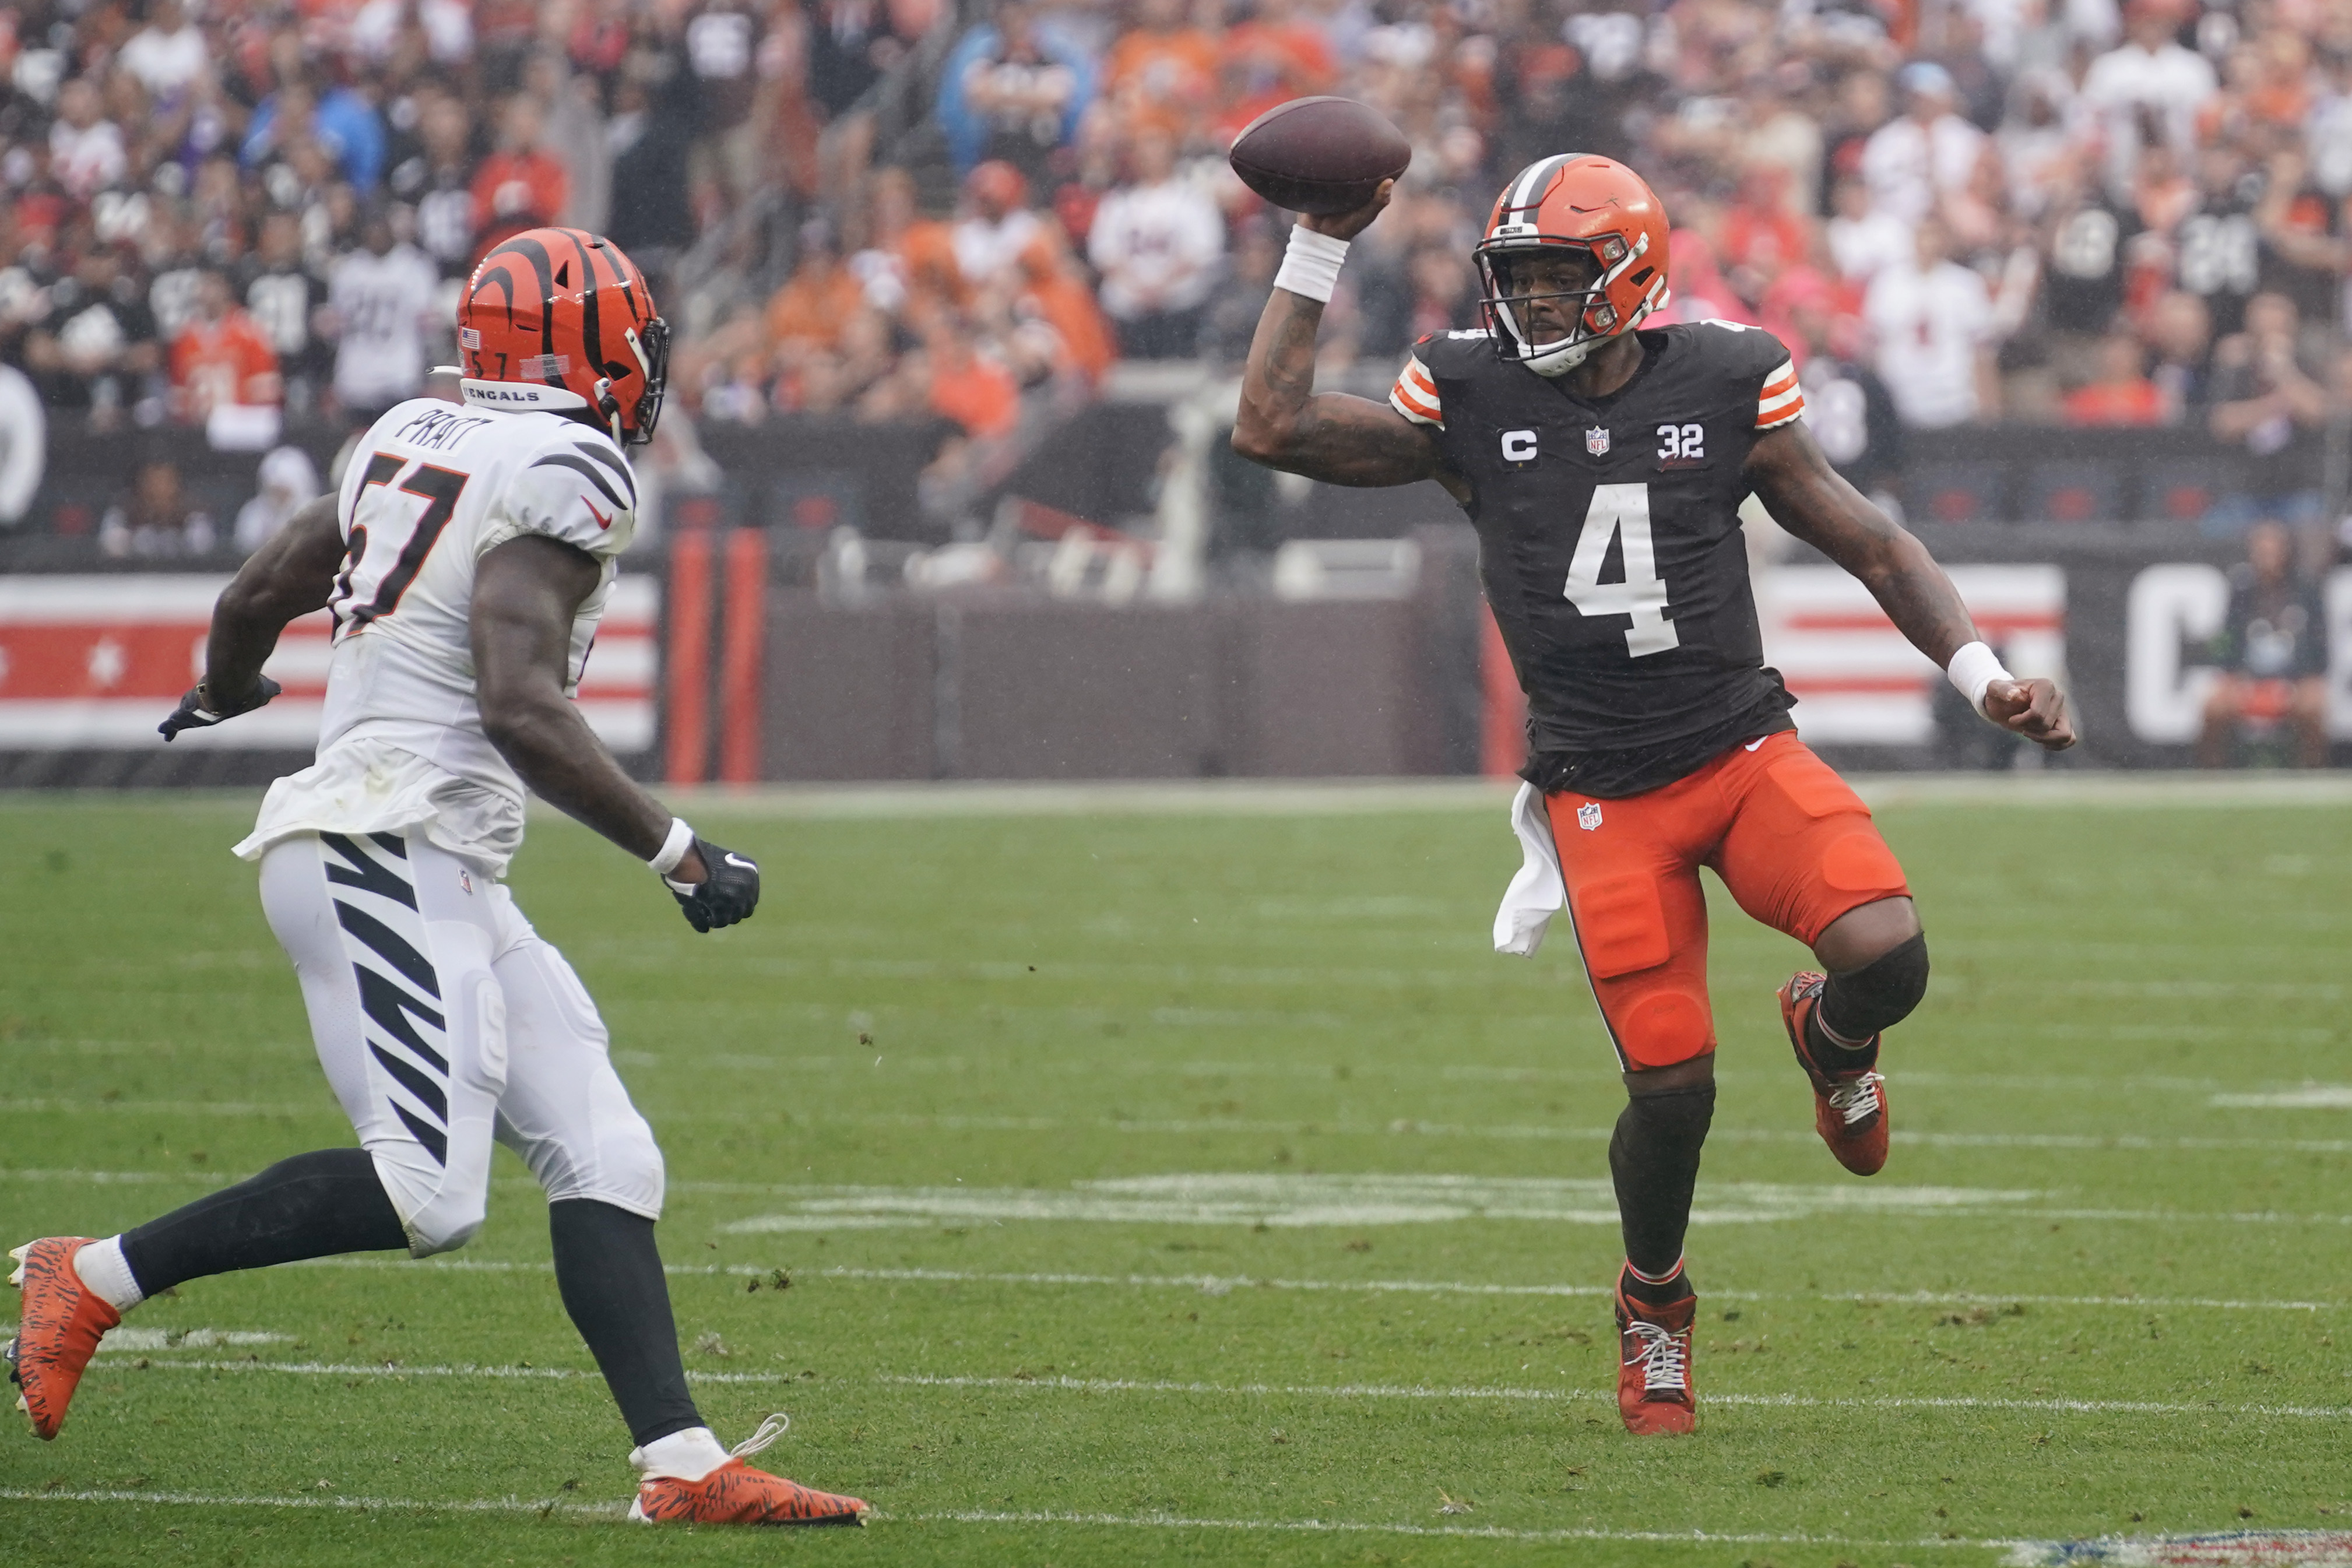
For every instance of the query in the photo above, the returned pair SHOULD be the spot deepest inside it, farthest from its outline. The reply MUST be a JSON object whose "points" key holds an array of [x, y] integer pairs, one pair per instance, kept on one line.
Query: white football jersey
{"points": [[382, 302], [431, 488]]}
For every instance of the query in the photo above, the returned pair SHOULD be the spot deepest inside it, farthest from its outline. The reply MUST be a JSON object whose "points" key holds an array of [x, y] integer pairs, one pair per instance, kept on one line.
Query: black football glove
{"points": [[729, 891], [197, 710]]}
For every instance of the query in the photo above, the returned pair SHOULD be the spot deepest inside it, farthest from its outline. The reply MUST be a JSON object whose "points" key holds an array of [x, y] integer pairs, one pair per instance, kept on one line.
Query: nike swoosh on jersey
{"points": [[735, 859], [602, 520], [1757, 742]]}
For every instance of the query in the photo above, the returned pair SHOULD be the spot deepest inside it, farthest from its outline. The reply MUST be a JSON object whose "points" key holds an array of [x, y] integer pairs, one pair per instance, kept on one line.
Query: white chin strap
{"points": [[1560, 358]]}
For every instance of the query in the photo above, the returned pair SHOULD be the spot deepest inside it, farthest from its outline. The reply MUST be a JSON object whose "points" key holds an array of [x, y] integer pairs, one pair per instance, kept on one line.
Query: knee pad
{"points": [[439, 1214], [1663, 1029], [617, 1162], [1880, 995]]}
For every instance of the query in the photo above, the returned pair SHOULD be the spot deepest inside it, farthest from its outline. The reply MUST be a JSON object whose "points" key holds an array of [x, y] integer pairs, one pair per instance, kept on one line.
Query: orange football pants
{"points": [[1790, 839]]}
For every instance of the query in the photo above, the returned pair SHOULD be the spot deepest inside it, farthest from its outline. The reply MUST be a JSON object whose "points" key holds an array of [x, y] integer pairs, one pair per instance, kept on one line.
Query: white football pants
{"points": [[443, 1021]]}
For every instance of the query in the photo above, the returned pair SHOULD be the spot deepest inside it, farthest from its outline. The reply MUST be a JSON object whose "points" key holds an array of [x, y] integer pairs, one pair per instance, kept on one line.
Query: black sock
{"points": [[1653, 1158], [312, 1205], [1664, 1292], [1836, 1056], [611, 1278], [1860, 1002]]}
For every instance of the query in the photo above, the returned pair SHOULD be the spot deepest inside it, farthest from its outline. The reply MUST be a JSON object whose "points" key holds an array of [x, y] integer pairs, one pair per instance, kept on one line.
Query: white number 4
{"points": [[1682, 440], [1623, 510]]}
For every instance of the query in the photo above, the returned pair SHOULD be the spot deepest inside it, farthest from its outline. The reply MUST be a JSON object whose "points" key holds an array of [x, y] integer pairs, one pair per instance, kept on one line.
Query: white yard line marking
{"points": [[1473, 1532], [994, 1516], [1228, 1198], [1345, 1201], [2309, 1096], [1220, 1285], [2087, 1142], [894, 1065], [1254, 1199], [1508, 1132], [1484, 977], [107, 1357], [2142, 1303], [2172, 1217], [1287, 1390], [1557, 1395], [2224, 1549], [219, 1500], [136, 1339]]}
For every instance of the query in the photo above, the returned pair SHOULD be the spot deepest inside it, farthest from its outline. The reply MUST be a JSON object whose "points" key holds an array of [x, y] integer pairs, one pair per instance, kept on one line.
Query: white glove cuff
{"points": [[1974, 667], [1310, 267], [681, 839]]}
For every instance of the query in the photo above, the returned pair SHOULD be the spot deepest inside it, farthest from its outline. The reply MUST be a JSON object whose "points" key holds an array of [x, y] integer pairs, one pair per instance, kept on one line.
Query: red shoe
{"points": [[735, 1493], [1849, 1107], [1654, 1366], [59, 1326]]}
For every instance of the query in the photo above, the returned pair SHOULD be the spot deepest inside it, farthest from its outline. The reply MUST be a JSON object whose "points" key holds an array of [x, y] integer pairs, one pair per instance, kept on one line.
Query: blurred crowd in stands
{"points": [[230, 213]]}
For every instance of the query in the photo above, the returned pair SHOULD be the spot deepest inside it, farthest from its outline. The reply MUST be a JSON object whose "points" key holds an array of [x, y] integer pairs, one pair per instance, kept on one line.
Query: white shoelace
{"points": [[774, 1427], [1857, 1098], [1664, 1356]]}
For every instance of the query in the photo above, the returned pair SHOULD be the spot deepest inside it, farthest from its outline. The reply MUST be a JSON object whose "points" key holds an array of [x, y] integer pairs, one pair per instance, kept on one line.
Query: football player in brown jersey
{"points": [[1603, 462]]}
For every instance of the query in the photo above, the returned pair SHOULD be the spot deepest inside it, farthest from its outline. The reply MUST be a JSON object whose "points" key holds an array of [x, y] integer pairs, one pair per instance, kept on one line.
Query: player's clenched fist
{"points": [[2034, 709], [199, 710], [729, 891]]}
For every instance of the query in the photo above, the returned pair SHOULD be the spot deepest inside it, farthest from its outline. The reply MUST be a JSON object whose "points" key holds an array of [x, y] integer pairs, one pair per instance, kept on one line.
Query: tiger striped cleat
{"points": [[59, 1326], [735, 1493]]}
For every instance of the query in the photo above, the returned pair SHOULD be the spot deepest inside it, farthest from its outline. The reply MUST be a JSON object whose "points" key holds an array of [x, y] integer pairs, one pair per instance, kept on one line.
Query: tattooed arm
{"points": [[1284, 423], [1808, 498]]}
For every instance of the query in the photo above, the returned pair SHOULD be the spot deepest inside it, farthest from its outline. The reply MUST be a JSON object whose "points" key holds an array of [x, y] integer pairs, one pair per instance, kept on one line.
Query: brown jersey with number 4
{"points": [[1609, 543]]}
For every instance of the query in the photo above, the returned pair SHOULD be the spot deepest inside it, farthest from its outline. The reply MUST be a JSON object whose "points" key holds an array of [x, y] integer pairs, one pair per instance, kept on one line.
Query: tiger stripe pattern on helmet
{"points": [[567, 310]]}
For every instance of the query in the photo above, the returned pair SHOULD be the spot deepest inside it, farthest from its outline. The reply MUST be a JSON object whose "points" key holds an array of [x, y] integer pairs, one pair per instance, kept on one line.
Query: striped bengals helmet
{"points": [[558, 319], [1578, 203]]}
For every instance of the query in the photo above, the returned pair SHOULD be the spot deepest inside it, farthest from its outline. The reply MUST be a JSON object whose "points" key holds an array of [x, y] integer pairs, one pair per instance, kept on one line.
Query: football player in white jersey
{"points": [[467, 560]]}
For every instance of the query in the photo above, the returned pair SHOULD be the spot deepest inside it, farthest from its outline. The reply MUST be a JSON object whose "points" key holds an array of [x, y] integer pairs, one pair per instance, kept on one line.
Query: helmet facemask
{"points": [[651, 345], [1503, 266]]}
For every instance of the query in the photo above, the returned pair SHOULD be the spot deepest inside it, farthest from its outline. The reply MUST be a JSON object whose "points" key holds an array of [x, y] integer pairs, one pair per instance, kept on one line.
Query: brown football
{"points": [[1319, 155]]}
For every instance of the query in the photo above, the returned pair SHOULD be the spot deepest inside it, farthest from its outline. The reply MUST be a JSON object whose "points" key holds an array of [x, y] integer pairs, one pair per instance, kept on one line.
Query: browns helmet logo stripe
{"points": [[1572, 203], [565, 308]]}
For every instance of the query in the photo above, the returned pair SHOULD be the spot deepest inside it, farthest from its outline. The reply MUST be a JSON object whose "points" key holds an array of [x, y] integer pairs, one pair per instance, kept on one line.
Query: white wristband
{"points": [[1310, 267], [674, 847], [1974, 667]]}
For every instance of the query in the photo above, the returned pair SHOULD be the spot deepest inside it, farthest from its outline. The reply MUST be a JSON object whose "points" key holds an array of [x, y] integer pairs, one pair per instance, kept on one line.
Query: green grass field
{"points": [[1176, 1185]]}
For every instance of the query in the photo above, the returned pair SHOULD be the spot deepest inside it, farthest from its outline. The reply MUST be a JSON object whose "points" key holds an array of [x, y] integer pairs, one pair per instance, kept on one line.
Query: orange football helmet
{"points": [[559, 318], [1592, 206]]}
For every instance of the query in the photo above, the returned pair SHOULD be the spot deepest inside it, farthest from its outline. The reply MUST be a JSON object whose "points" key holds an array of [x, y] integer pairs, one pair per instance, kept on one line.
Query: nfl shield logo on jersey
{"points": [[1596, 441], [1587, 815]]}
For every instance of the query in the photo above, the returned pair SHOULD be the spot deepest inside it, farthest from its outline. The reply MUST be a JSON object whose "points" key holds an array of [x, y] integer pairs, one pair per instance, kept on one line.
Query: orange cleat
{"points": [[1654, 1366], [1849, 1107], [735, 1493], [57, 1330]]}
